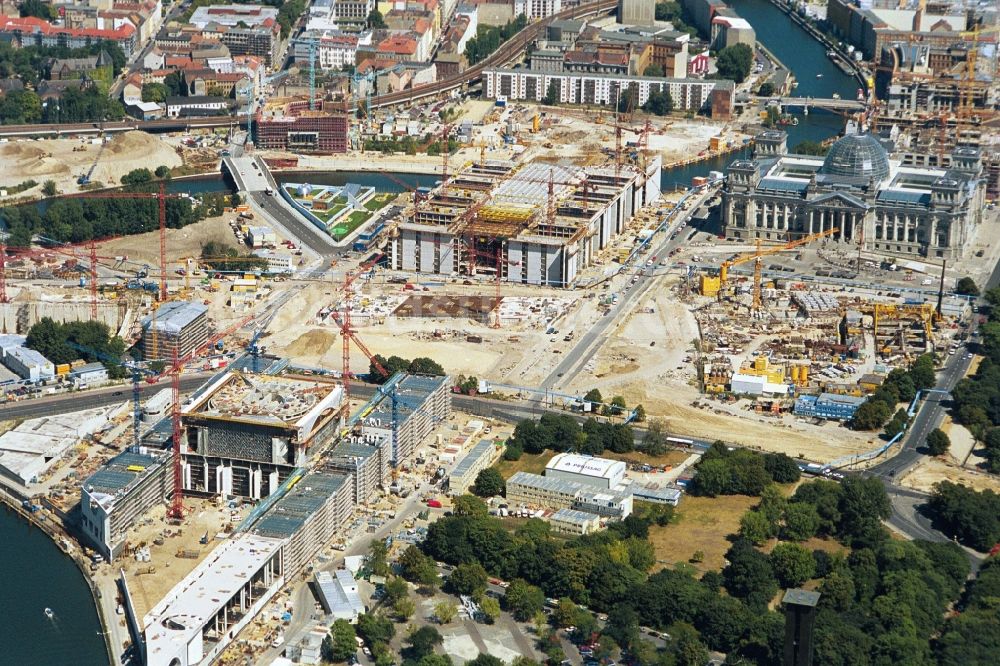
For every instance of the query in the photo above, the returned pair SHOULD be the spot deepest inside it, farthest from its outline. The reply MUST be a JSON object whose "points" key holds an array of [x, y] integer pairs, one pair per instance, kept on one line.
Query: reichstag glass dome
{"points": [[857, 156]]}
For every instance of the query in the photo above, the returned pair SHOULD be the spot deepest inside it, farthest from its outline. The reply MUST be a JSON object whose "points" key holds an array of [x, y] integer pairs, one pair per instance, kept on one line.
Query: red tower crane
{"points": [[176, 511], [347, 333], [161, 197]]}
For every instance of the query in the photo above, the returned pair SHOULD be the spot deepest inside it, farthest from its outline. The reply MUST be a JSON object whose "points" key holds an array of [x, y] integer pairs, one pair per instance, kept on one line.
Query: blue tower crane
{"points": [[137, 371]]}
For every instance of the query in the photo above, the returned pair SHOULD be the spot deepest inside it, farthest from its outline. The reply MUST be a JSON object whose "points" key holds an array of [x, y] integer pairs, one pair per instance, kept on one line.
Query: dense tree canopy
{"points": [[489, 38], [722, 471], [418, 366], [734, 62], [90, 340], [488, 483]]}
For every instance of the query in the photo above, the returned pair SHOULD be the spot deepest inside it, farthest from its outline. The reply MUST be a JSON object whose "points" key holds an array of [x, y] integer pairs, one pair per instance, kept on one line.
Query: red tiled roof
{"points": [[398, 44], [32, 25]]}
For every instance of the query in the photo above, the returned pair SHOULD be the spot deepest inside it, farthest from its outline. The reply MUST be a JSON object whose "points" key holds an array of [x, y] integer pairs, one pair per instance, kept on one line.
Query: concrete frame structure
{"points": [[290, 125], [201, 615], [891, 209], [244, 434], [307, 517], [496, 216], [367, 462], [119, 494]]}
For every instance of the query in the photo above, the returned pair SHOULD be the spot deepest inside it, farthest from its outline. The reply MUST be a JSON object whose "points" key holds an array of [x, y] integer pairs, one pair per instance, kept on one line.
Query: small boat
{"points": [[819, 76], [49, 613], [835, 95]]}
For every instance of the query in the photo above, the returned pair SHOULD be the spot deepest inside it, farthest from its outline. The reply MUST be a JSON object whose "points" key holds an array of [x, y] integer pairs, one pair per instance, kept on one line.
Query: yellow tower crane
{"points": [[967, 100], [757, 256]]}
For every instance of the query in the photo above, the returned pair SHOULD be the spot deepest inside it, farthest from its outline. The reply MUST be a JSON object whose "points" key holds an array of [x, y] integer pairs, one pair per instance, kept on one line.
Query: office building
{"points": [[421, 403], [568, 521], [176, 329], [292, 126], [828, 406], [118, 494]]}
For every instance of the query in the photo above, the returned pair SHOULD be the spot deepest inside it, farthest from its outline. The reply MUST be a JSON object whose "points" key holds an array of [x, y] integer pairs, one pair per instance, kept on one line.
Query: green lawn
{"points": [[346, 226], [378, 201]]}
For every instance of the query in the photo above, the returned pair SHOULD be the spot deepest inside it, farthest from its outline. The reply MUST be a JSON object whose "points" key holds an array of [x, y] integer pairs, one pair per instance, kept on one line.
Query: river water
{"points": [[38, 575]]}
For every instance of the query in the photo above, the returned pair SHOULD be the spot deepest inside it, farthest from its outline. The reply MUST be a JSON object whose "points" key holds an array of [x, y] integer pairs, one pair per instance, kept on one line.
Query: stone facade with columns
{"points": [[857, 190]]}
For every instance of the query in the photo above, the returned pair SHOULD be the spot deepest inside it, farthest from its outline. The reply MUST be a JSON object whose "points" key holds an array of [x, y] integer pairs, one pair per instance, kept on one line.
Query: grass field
{"points": [[700, 523], [671, 457], [531, 463]]}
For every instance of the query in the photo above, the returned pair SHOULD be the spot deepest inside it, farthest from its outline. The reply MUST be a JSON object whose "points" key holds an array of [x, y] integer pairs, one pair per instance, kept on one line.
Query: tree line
{"points": [[899, 386], [976, 399], [75, 220], [971, 517], [882, 601], [64, 343], [562, 432], [724, 470], [489, 38], [420, 365]]}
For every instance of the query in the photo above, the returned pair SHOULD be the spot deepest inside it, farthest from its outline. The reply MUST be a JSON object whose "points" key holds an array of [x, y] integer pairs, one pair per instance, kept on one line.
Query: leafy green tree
{"points": [[937, 442], [444, 611], [755, 527], [970, 517], [378, 558], [375, 20], [801, 521], [564, 614], [376, 630], [792, 564], [470, 505], [640, 414], [686, 646], [489, 483], [552, 96], [422, 641], [38, 9], [339, 644], [655, 441], [766, 89], [49, 188], [749, 575], [514, 450], [734, 62], [967, 287], [404, 608], [808, 147], [490, 660], [782, 468], [523, 600], [659, 102], [871, 415], [417, 567], [155, 92], [162, 172], [863, 505], [139, 176], [396, 589], [653, 69], [468, 579], [490, 608], [594, 395]]}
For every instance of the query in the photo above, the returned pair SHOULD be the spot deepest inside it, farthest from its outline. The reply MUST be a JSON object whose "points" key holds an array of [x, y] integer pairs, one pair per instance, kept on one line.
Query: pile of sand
{"points": [[314, 342]]}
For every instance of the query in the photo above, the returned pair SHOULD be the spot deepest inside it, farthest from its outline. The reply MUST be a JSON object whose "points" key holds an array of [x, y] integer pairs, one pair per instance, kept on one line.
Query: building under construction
{"points": [[175, 330], [290, 125], [119, 494], [415, 403], [246, 432], [535, 224]]}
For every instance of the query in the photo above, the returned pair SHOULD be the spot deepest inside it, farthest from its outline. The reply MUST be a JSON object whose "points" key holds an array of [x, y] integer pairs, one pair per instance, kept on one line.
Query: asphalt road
{"points": [[71, 402], [598, 333], [293, 224]]}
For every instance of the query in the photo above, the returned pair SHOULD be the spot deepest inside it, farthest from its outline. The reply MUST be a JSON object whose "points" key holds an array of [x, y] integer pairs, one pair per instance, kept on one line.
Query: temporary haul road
{"points": [[508, 51]]}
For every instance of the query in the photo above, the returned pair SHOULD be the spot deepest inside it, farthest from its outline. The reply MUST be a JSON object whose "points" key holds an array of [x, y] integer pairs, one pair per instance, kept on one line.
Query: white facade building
{"points": [[587, 470], [537, 9]]}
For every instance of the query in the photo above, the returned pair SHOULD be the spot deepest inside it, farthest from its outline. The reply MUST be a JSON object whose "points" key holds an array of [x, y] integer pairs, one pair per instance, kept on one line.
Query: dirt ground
{"points": [[149, 588], [181, 243], [700, 523], [931, 470], [65, 160]]}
